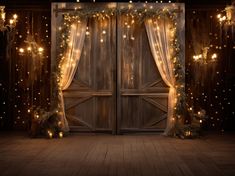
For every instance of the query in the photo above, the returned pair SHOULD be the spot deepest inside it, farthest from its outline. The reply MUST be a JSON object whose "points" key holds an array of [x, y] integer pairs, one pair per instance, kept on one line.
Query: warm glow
{"points": [[214, 56], [21, 50], [188, 133], [40, 49], [197, 57], [61, 134], [11, 21], [50, 135], [59, 123], [3, 16], [15, 16], [29, 48], [221, 19]]}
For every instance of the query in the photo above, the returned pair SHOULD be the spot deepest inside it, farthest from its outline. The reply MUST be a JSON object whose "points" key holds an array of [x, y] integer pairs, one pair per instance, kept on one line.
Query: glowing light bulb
{"points": [[104, 31], [3, 15], [214, 56], [15, 16], [11, 21], [40, 49], [61, 134], [29, 48], [21, 50], [50, 135]]}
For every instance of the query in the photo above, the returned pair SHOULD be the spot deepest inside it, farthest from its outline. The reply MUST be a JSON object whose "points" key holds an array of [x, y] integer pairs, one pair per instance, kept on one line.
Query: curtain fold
{"points": [[159, 35], [70, 62]]}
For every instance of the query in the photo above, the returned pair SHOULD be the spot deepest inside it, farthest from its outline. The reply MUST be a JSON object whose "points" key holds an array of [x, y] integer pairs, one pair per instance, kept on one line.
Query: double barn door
{"points": [[117, 87]]}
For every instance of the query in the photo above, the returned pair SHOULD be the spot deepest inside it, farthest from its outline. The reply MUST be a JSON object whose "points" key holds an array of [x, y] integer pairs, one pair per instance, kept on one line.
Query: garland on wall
{"points": [[141, 15]]}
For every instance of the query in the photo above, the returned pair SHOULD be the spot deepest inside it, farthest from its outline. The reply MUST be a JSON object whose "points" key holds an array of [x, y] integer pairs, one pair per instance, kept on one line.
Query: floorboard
{"points": [[124, 155]]}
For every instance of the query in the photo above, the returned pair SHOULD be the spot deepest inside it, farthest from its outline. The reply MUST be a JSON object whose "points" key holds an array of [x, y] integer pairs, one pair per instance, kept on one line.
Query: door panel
{"points": [[90, 101], [142, 94], [122, 97]]}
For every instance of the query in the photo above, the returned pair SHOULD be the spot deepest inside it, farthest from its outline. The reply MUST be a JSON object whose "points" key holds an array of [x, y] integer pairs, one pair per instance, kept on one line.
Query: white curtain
{"points": [[159, 35], [70, 62]]}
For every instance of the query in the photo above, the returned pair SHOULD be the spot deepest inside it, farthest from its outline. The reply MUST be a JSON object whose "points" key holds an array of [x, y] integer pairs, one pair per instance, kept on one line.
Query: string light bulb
{"points": [[21, 50], [40, 50], [50, 134], [29, 48], [214, 56], [61, 134], [15, 16], [11, 21]]}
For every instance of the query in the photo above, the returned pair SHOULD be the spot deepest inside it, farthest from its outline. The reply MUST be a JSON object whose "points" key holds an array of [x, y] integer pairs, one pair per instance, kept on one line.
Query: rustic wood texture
{"points": [[117, 86], [90, 100], [107, 155], [142, 94]]}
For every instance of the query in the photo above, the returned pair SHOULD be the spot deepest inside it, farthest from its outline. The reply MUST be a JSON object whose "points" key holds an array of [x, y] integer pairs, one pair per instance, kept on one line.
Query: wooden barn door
{"points": [[90, 101], [142, 94], [117, 87]]}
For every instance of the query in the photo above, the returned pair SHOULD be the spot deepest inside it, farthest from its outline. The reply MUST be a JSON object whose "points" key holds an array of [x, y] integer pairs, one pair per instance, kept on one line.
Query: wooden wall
{"points": [[26, 80], [222, 87]]}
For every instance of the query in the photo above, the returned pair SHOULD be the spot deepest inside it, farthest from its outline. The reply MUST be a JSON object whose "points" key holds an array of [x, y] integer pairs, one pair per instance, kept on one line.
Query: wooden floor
{"points": [[127, 155]]}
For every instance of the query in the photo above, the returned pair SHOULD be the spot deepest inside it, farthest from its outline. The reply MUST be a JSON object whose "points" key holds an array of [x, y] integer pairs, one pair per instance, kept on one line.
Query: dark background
{"points": [[214, 91]]}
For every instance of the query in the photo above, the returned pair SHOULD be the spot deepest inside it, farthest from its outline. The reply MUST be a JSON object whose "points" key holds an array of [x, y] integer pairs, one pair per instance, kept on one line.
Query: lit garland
{"points": [[8, 31], [141, 15], [206, 87]]}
